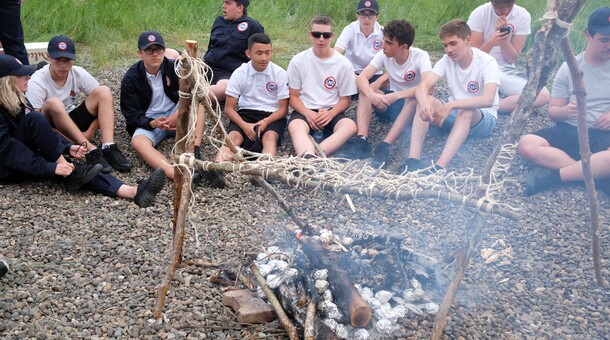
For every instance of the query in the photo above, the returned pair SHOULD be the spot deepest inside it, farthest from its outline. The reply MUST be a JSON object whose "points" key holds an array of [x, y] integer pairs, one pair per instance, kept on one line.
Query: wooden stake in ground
{"points": [[541, 61], [182, 183]]}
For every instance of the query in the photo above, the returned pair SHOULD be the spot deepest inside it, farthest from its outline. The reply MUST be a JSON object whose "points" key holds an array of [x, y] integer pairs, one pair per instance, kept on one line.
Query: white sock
{"points": [[106, 145]]}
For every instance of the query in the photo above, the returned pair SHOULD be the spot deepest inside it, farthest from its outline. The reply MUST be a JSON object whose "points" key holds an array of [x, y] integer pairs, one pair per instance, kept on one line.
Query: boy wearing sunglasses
{"points": [[53, 90], [321, 82]]}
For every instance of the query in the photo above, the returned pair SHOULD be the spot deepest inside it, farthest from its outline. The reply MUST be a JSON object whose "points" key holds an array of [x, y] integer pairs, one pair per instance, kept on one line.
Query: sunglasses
{"points": [[156, 50], [326, 35]]}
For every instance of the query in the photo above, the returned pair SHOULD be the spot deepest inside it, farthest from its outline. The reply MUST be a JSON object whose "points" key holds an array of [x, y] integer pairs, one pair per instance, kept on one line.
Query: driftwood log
{"points": [[541, 61], [346, 296], [182, 185]]}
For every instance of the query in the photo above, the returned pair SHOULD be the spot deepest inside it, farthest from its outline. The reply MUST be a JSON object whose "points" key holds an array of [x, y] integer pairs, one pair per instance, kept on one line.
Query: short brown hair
{"points": [[322, 20], [502, 3], [457, 27]]}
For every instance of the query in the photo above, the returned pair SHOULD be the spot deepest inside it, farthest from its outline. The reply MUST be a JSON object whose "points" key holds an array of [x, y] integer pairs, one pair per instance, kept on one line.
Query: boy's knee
{"points": [[140, 142], [53, 105], [102, 92], [527, 145]]}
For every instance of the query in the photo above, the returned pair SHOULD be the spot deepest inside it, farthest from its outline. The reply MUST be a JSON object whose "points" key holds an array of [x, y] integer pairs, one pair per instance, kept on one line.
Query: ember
{"points": [[390, 281]]}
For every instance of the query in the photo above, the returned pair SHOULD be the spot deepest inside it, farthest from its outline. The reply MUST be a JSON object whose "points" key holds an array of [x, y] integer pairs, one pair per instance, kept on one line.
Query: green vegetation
{"points": [[106, 30]]}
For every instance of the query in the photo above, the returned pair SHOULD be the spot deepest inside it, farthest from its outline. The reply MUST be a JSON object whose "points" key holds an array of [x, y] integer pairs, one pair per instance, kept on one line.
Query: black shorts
{"points": [[564, 136], [253, 116], [82, 117], [328, 129], [216, 74]]}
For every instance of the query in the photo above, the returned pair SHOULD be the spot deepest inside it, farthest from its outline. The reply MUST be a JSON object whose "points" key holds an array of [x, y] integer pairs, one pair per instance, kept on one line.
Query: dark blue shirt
{"points": [[229, 42]]}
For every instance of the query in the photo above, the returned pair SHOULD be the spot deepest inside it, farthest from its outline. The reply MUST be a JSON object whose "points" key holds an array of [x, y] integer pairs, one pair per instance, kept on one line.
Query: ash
{"points": [[395, 282]]}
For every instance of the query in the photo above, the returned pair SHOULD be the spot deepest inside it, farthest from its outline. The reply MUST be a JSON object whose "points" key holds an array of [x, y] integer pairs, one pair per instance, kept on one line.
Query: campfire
{"points": [[361, 284]]}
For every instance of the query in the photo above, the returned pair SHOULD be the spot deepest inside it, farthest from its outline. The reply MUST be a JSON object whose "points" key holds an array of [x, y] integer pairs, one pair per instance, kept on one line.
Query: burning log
{"points": [[348, 299]]}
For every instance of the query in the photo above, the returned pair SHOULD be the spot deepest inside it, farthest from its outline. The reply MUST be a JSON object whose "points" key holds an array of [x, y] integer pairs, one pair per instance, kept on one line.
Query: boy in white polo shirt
{"points": [[473, 78], [500, 28], [321, 83], [405, 66], [259, 90]]}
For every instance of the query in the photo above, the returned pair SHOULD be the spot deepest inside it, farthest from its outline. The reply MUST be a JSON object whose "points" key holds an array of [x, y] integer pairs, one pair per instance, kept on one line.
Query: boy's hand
{"points": [[324, 117], [311, 117], [441, 114], [379, 101], [426, 114], [64, 169], [603, 122], [262, 126], [248, 129]]}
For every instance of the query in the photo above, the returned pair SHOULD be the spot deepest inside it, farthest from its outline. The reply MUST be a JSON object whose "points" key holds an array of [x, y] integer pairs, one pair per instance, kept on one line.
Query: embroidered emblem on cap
{"points": [[367, 4], [152, 38], [271, 86], [242, 27], [377, 44], [62, 46], [409, 75], [473, 87], [330, 82]]}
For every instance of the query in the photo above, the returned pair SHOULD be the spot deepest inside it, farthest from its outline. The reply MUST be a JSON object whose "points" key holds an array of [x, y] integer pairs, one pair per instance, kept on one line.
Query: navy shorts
{"points": [[564, 136], [253, 116], [328, 129], [82, 117]]}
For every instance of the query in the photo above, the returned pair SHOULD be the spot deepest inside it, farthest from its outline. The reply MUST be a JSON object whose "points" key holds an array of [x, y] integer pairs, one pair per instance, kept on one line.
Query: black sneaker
{"points": [[213, 178], [3, 268], [97, 157], [410, 165], [361, 148], [116, 159], [540, 179], [381, 155], [82, 174], [148, 189]]}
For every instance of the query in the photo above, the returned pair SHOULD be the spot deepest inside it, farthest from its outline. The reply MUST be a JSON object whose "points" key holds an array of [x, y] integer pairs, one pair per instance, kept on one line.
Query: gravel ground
{"points": [[84, 265]]}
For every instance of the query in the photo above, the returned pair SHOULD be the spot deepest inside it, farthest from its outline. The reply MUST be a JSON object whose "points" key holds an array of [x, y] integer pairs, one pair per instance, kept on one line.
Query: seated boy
{"points": [[473, 78], [321, 82], [405, 66], [260, 91]]}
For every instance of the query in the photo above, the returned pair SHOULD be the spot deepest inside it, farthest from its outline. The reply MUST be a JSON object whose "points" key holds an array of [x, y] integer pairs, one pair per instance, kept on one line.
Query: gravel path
{"points": [[84, 265]]}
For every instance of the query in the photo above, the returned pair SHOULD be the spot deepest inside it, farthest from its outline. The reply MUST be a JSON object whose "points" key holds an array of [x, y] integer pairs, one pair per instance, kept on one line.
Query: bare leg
{"points": [[344, 130], [152, 156], [508, 104], [219, 89], [55, 111], [459, 132], [225, 154], [402, 121], [99, 103], [299, 132], [127, 191], [270, 143], [364, 115], [419, 131]]}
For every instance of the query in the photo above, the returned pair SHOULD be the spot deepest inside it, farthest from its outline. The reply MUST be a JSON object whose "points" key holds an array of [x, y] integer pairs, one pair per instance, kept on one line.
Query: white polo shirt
{"points": [[321, 82], [359, 49], [483, 19], [258, 90], [160, 102], [469, 82], [42, 87], [407, 75]]}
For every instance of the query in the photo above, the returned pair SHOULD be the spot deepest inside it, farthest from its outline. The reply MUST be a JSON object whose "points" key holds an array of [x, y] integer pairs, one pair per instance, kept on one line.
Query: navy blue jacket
{"points": [[229, 42], [136, 93], [16, 156]]}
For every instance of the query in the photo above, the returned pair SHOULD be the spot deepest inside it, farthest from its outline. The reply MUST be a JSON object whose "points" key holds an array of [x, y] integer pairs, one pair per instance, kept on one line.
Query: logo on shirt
{"points": [[409, 75], [72, 93], [377, 44], [473, 87], [271, 86], [62, 46], [330, 82], [168, 81], [242, 27], [152, 38]]}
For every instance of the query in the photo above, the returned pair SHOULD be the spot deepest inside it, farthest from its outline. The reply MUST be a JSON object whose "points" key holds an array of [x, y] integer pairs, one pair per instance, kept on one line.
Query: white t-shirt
{"points": [[469, 82], [160, 102], [360, 50], [597, 83], [41, 87], [322, 82], [407, 75], [258, 90], [483, 19]]}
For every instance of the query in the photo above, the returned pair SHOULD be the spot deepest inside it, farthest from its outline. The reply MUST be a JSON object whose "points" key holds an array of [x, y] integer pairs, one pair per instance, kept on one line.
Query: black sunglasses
{"points": [[326, 35]]}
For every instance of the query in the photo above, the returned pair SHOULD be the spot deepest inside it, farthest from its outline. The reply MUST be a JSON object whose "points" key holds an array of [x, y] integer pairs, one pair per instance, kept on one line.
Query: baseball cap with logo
{"points": [[149, 38], [243, 2], [61, 46], [368, 5], [599, 21], [11, 66]]}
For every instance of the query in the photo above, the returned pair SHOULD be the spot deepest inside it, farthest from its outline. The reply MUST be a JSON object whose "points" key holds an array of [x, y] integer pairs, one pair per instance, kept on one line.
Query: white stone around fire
{"points": [[361, 334], [383, 296], [321, 286], [321, 274]]}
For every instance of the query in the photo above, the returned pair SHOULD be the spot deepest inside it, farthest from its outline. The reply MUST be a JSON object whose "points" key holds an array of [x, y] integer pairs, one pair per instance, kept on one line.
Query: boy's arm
{"points": [[362, 82], [278, 114], [422, 92], [478, 102], [560, 109]]}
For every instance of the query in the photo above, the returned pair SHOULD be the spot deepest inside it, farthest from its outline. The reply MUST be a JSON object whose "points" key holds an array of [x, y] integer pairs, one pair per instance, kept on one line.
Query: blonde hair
{"points": [[11, 97]]}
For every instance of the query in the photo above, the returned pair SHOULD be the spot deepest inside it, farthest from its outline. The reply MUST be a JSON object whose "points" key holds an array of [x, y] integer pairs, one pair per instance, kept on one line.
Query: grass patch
{"points": [[106, 31]]}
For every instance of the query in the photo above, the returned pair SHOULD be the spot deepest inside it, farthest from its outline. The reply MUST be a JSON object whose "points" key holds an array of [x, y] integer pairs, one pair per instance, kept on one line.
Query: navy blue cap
{"points": [[11, 66], [61, 46], [149, 38], [599, 21]]}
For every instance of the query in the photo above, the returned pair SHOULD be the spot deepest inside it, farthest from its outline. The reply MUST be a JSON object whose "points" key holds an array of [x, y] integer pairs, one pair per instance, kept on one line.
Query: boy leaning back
{"points": [[473, 78]]}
